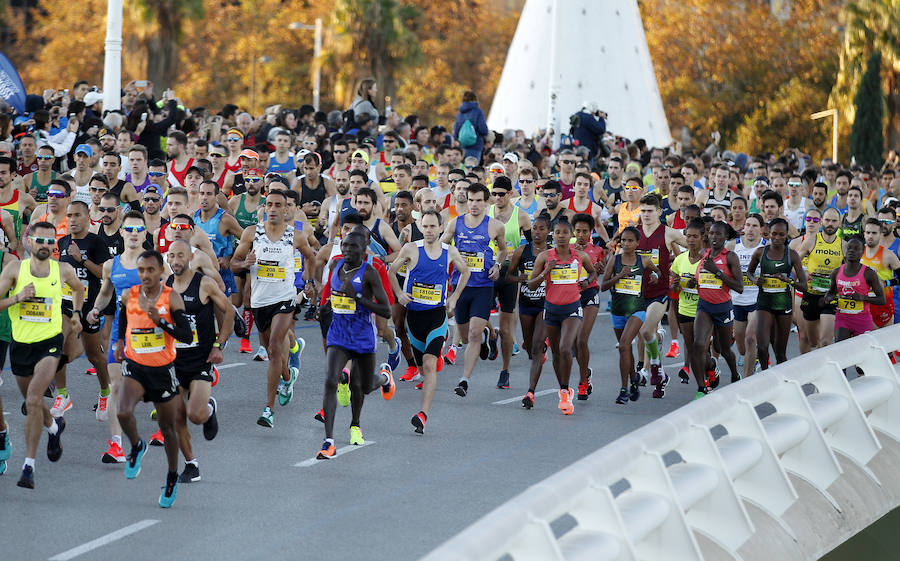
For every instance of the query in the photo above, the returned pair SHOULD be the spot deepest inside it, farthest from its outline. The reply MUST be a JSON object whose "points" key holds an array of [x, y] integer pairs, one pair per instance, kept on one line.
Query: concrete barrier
{"points": [[787, 464]]}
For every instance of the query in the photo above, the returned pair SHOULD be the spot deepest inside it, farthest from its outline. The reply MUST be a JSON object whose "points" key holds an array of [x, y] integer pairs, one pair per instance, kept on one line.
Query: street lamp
{"points": [[834, 133], [317, 51]]}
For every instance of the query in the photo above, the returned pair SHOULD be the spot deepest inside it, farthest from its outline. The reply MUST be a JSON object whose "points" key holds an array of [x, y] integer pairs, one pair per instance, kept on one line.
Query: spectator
{"points": [[589, 126], [364, 104], [469, 111]]}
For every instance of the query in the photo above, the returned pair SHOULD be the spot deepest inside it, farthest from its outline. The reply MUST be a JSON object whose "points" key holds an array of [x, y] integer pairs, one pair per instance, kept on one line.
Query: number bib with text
{"points": [[424, 293], [37, 310], [629, 285], [150, 340], [709, 280], [565, 274], [771, 285], [194, 341], [270, 271], [475, 260], [850, 306], [341, 304]]}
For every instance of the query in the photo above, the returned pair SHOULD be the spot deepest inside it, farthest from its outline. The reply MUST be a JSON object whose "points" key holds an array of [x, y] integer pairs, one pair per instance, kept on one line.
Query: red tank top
{"points": [[163, 243], [710, 288], [221, 179], [589, 210], [678, 222], [655, 248], [562, 284], [597, 256]]}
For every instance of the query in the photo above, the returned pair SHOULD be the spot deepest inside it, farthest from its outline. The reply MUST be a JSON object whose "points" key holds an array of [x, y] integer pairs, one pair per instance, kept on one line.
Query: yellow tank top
{"points": [[511, 232], [822, 260], [38, 318]]}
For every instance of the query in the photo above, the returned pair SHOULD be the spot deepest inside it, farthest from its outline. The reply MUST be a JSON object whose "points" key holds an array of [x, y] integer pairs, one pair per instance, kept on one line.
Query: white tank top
{"points": [[335, 249], [333, 210], [795, 217], [272, 277], [83, 193], [745, 254]]}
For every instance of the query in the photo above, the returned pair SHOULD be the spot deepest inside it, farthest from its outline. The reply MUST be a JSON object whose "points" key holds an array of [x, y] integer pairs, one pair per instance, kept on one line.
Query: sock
{"points": [[29, 462], [209, 408], [652, 347], [194, 462], [564, 387], [410, 362], [329, 441], [247, 315], [117, 439], [296, 347], [62, 391], [104, 392], [53, 428], [531, 390]]}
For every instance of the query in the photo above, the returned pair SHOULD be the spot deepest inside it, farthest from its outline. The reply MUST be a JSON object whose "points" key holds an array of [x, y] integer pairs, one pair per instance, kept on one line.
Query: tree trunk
{"points": [[892, 127], [162, 48]]}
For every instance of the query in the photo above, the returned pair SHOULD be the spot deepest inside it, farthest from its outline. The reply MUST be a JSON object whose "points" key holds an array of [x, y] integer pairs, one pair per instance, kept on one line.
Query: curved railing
{"points": [[785, 465]]}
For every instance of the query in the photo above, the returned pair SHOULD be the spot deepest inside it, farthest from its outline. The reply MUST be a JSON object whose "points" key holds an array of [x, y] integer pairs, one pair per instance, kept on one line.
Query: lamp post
{"points": [[317, 51], [834, 132]]}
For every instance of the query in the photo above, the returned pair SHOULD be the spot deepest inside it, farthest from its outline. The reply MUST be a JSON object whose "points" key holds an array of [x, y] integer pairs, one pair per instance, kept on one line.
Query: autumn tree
{"points": [[866, 137]]}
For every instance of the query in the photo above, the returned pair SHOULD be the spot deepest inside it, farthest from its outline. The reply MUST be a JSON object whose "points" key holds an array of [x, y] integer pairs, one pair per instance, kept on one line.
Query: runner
{"points": [[404, 224], [6, 260], [351, 336], [194, 360], [584, 227], [684, 270], [581, 203], [35, 297], [823, 254], [561, 267], [424, 295], [745, 314], [885, 264], [531, 302], [780, 272], [37, 182], [854, 287], [151, 318], [219, 227]]}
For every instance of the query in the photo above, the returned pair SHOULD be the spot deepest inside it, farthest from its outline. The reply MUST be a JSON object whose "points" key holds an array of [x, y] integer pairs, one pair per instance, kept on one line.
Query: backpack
{"points": [[467, 136], [574, 123]]}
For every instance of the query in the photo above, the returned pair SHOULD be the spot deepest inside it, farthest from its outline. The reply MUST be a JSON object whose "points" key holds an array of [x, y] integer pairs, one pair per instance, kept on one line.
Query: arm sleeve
{"points": [[182, 328], [123, 321]]}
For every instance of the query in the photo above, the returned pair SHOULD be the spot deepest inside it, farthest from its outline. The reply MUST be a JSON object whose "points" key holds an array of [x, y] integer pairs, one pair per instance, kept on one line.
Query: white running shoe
{"points": [[261, 354], [60, 406]]}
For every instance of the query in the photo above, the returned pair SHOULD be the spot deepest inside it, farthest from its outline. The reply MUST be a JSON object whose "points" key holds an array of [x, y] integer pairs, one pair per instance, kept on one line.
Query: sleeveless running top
{"points": [[426, 283], [529, 210], [655, 248], [12, 207], [710, 288], [272, 276], [222, 245], [876, 262], [308, 194], [589, 210], [244, 217], [627, 293], [145, 342], [628, 217], [40, 191], [848, 285], [5, 327], [824, 258], [751, 291], [474, 245], [352, 326], [511, 231], [713, 202], [139, 188], [299, 264], [597, 256], [775, 294], [40, 317], [533, 298], [282, 168], [562, 283], [202, 320]]}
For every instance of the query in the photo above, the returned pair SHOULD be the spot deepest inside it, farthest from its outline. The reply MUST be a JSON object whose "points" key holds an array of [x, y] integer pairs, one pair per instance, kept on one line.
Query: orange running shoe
{"points": [[157, 439], [114, 455], [245, 346], [673, 350], [411, 375], [565, 401], [327, 451], [450, 357], [440, 364], [387, 389]]}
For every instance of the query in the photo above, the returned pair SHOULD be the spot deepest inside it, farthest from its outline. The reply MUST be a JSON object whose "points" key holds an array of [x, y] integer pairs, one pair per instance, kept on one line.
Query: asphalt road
{"points": [[398, 497]]}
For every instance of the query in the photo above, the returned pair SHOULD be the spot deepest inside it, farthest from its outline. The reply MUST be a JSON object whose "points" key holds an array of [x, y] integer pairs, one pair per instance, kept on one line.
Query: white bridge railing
{"points": [[786, 464]]}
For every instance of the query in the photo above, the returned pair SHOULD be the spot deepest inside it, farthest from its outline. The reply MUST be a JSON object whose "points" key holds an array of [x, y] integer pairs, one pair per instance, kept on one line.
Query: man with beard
{"points": [[823, 255], [176, 144], [885, 263], [332, 205], [553, 209]]}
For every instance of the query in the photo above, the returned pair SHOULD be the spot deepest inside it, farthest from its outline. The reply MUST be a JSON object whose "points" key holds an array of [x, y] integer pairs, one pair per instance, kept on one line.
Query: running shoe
{"points": [[169, 492], [133, 465], [102, 413], [320, 415], [327, 451], [261, 354], [294, 358], [190, 474], [90, 371], [660, 334], [737, 377], [394, 356], [419, 385], [516, 349], [641, 375], [60, 405], [493, 348], [503, 381], [211, 425], [411, 375], [660, 390], [528, 400], [245, 347], [418, 421], [286, 391], [343, 391], [387, 389], [215, 372], [623, 396], [2, 467], [310, 314], [565, 401], [157, 439], [634, 390], [54, 441], [713, 377], [590, 388], [27, 478], [462, 388], [5, 446], [673, 351], [267, 419], [439, 364], [702, 392], [485, 347], [356, 437], [582, 391], [656, 374], [114, 454], [450, 357], [684, 375]]}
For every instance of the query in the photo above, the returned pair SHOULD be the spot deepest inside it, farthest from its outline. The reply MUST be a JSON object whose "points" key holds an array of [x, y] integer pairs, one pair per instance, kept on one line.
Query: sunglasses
{"points": [[107, 208], [47, 241], [633, 188], [155, 173], [180, 226], [526, 181], [794, 183], [567, 162], [151, 199], [44, 157], [216, 155], [133, 229], [98, 189], [886, 221], [551, 193], [339, 151], [499, 194], [252, 179], [813, 219], [233, 139], [56, 194]]}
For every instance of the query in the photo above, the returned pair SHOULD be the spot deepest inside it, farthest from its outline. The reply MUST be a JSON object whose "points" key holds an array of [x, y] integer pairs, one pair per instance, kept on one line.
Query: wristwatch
{"points": [[358, 295], [216, 345]]}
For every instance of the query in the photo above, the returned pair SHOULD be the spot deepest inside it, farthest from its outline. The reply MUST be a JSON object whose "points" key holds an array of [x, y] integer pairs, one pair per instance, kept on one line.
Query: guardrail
{"points": [[786, 464]]}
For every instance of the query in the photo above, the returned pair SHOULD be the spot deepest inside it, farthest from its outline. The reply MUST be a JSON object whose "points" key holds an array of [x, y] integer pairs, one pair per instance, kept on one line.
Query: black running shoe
{"points": [[320, 415], [310, 314], [462, 388], [635, 392], [190, 474], [623, 397], [54, 444], [492, 346], [27, 479], [485, 348], [211, 426], [503, 381], [418, 421]]}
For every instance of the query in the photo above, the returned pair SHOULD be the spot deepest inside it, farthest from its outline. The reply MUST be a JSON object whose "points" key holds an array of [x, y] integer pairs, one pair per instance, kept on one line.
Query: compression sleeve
{"points": [[123, 321]]}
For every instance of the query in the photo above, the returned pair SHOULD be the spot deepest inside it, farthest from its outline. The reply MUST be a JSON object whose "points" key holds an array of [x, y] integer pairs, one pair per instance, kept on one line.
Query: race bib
{"points": [[564, 274], [298, 263], [773, 285], [629, 286], [341, 304], [684, 287], [37, 310], [424, 293], [269, 271], [66, 291], [709, 280], [150, 340], [475, 260], [192, 320], [747, 281], [819, 283], [850, 306], [527, 272], [404, 269], [653, 254]]}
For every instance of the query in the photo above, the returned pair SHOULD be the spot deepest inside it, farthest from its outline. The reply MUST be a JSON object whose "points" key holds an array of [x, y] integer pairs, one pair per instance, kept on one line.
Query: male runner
{"points": [[885, 264], [823, 254]]}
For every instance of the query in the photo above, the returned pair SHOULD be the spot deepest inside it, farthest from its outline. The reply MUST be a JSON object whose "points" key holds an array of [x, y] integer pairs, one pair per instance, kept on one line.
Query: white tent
{"points": [[569, 52]]}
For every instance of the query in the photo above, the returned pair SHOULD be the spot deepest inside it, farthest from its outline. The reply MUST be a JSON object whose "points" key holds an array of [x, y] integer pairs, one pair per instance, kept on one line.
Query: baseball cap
{"points": [[512, 157], [362, 154], [85, 149], [91, 98], [247, 153], [104, 133], [254, 172]]}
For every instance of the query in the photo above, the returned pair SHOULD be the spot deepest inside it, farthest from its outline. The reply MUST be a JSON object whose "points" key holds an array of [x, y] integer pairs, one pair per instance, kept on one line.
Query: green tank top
{"points": [[41, 190], [39, 318], [511, 228], [5, 328], [627, 293], [243, 216], [775, 294]]}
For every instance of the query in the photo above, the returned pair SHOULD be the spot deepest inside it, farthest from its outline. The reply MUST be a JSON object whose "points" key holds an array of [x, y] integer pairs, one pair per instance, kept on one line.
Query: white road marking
{"points": [[344, 450], [103, 540], [512, 399], [232, 365]]}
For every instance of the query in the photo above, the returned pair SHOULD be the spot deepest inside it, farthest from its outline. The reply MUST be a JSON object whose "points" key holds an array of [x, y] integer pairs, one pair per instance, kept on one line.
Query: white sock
{"points": [[117, 439], [195, 462], [329, 441], [209, 408], [53, 428], [29, 462]]}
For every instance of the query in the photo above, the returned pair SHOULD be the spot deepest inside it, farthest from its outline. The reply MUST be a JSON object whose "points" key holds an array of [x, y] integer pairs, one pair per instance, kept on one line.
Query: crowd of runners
{"points": [[145, 242]]}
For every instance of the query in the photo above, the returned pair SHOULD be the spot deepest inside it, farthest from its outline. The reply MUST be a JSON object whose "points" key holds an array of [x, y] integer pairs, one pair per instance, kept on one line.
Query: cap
{"points": [[888, 201], [104, 133], [194, 168], [370, 141], [152, 188], [362, 154], [247, 153], [633, 166], [761, 179], [254, 172], [91, 98], [85, 149], [495, 167], [301, 154], [512, 157]]}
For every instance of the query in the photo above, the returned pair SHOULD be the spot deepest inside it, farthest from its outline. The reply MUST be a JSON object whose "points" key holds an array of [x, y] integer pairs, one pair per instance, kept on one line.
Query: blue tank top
{"points": [[531, 209], [346, 210], [426, 283], [299, 262], [474, 245], [285, 168], [352, 326], [222, 245], [122, 279]]}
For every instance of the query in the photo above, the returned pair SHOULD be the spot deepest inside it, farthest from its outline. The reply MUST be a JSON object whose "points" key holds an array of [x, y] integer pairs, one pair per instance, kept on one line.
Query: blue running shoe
{"points": [[5, 447], [169, 493], [2, 467], [294, 359], [27, 479], [133, 461], [394, 357]]}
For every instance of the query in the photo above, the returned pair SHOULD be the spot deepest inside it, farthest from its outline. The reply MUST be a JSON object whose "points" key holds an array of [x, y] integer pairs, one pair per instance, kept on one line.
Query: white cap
{"points": [[91, 98], [512, 157]]}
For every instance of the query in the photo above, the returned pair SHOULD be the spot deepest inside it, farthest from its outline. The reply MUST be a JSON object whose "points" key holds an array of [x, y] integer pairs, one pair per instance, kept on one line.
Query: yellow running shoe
{"points": [[343, 391], [356, 436]]}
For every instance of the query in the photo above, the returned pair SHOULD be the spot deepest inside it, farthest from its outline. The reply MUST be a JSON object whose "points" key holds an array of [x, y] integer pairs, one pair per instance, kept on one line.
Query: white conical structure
{"points": [[569, 52]]}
